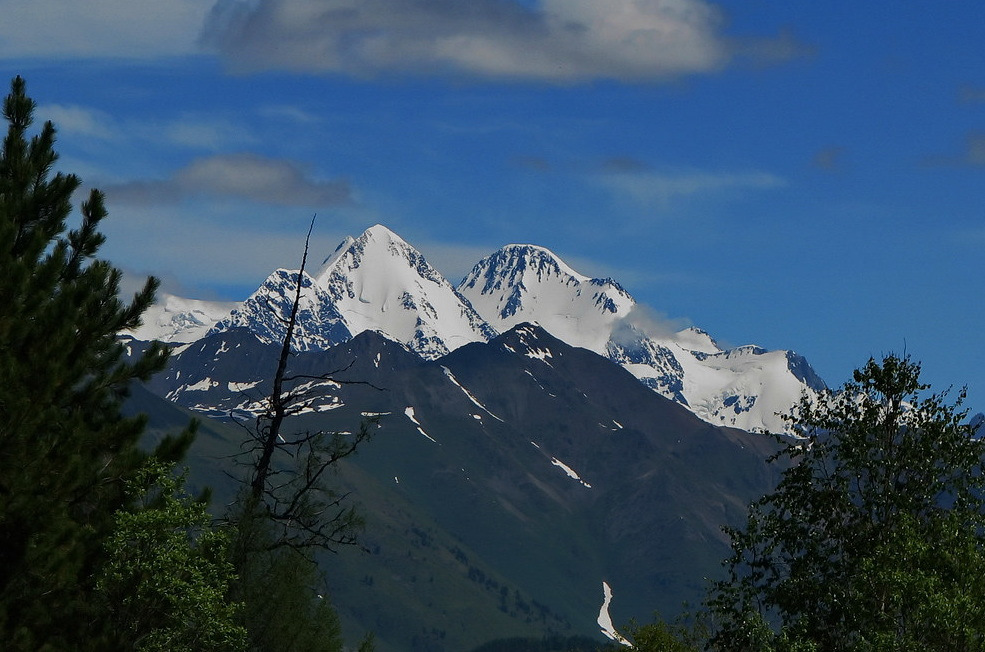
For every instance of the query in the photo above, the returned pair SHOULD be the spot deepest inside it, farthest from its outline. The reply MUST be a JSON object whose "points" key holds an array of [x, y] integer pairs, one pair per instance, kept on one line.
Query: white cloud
{"points": [[242, 176], [647, 321], [78, 120], [558, 40], [138, 29]]}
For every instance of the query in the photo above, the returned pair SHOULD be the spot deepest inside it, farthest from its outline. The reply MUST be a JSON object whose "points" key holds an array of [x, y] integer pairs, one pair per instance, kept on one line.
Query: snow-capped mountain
{"points": [[380, 283], [522, 283], [319, 323], [179, 320], [743, 387]]}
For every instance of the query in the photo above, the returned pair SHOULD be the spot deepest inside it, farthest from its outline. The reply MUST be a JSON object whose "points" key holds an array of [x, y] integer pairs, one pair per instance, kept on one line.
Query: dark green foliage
{"points": [[64, 447], [165, 582], [284, 610], [544, 644], [873, 539], [660, 636]]}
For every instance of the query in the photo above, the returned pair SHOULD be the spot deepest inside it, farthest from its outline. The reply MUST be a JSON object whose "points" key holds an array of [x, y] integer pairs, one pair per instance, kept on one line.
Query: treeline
{"points": [[101, 547]]}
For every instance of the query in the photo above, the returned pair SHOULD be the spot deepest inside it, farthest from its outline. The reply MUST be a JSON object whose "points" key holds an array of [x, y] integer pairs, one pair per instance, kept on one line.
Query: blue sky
{"points": [[806, 176]]}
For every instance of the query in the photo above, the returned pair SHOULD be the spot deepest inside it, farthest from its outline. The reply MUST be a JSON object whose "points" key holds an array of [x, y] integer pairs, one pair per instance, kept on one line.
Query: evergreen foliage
{"points": [[283, 609], [65, 449], [874, 539]]}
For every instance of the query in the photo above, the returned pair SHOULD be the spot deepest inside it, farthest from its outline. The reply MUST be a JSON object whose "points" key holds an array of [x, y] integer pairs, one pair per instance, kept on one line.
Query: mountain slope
{"points": [[522, 464], [319, 324]]}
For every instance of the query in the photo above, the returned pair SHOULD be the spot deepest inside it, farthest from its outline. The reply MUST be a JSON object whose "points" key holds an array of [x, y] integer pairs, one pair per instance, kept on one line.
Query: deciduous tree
{"points": [[873, 538], [166, 580]]}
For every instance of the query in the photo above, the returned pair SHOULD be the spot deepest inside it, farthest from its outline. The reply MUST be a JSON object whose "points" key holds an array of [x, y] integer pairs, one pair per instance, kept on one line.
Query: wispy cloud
{"points": [[191, 131], [135, 29], [558, 40], [242, 176], [646, 185], [971, 94], [78, 120]]}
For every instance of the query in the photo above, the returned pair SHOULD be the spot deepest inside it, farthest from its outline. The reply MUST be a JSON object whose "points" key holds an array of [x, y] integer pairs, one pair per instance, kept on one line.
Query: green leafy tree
{"points": [[167, 576], [65, 449], [660, 636], [873, 538]]}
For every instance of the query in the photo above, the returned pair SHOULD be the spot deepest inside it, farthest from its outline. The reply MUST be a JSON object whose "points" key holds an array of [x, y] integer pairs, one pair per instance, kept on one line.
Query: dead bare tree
{"points": [[289, 470]]}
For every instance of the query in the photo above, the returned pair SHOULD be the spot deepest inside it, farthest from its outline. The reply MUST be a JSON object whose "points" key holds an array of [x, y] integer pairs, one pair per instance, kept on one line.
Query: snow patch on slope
{"points": [[605, 620], [568, 470], [409, 411], [468, 394]]}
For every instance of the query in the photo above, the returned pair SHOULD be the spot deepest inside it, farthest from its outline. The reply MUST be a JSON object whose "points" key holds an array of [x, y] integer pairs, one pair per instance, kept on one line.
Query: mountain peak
{"points": [[523, 282], [379, 282], [541, 259], [378, 231]]}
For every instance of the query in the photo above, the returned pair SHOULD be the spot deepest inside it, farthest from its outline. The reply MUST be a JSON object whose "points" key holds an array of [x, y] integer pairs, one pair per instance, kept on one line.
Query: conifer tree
{"points": [[65, 449]]}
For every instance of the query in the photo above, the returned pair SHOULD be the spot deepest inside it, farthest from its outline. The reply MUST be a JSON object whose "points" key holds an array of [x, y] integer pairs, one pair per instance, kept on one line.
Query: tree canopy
{"points": [[65, 449], [873, 538]]}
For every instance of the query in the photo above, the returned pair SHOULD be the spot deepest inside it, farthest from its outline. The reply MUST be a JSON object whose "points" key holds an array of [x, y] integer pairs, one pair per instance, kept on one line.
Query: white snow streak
{"points": [[605, 620], [567, 469], [474, 400], [409, 411], [202, 385]]}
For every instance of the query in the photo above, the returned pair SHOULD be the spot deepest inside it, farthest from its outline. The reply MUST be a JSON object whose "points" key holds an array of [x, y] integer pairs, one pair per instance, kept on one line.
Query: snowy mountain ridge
{"points": [[381, 283], [522, 283]]}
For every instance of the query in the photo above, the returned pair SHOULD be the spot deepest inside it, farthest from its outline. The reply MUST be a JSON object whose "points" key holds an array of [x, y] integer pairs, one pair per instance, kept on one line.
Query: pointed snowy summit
{"points": [[379, 282], [523, 282]]}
